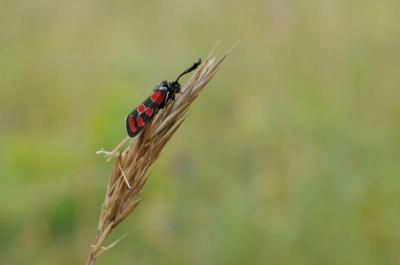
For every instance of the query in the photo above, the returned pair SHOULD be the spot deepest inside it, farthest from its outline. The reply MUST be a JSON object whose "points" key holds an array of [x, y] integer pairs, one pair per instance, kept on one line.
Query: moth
{"points": [[147, 110]]}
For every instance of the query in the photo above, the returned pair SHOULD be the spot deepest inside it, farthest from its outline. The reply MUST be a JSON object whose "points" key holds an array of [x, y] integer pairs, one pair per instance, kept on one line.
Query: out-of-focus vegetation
{"points": [[290, 156]]}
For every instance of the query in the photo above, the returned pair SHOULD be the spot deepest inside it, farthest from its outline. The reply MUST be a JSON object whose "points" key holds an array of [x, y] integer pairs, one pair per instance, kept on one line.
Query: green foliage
{"points": [[290, 156]]}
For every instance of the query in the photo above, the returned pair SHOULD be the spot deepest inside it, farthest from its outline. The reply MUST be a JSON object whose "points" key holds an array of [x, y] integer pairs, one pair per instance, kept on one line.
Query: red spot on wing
{"points": [[160, 99], [141, 108], [140, 121], [157, 97], [131, 122], [149, 112]]}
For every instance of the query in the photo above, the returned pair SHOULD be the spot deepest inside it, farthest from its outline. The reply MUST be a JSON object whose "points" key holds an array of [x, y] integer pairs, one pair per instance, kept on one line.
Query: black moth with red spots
{"points": [[146, 111]]}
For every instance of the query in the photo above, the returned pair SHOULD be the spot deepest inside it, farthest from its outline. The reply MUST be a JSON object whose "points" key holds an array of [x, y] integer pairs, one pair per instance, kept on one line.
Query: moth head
{"points": [[174, 87]]}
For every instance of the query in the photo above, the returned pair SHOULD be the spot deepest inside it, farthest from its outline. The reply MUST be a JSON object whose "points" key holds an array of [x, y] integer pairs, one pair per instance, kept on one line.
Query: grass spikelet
{"points": [[134, 157]]}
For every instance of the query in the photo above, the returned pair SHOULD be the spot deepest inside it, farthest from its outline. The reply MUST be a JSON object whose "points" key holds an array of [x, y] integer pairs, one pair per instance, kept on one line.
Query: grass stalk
{"points": [[133, 157]]}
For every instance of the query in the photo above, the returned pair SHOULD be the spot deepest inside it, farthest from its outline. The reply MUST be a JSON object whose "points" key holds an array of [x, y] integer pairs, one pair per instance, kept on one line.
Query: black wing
{"points": [[144, 113]]}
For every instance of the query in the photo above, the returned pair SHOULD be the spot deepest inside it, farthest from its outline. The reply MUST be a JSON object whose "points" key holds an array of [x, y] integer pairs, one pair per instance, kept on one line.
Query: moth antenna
{"points": [[190, 69]]}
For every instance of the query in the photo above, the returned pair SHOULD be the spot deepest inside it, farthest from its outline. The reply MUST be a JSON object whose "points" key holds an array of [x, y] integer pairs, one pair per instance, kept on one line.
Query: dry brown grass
{"points": [[134, 157]]}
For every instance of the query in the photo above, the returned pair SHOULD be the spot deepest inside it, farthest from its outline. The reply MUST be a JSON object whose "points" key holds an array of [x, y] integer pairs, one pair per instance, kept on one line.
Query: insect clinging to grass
{"points": [[147, 110]]}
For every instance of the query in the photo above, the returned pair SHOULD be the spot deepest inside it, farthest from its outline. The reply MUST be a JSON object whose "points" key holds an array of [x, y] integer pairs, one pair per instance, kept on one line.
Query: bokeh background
{"points": [[290, 156]]}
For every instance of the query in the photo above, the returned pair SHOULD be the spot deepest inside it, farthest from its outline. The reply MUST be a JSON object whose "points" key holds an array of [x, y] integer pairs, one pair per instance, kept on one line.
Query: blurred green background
{"points": [[290, 156]]}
